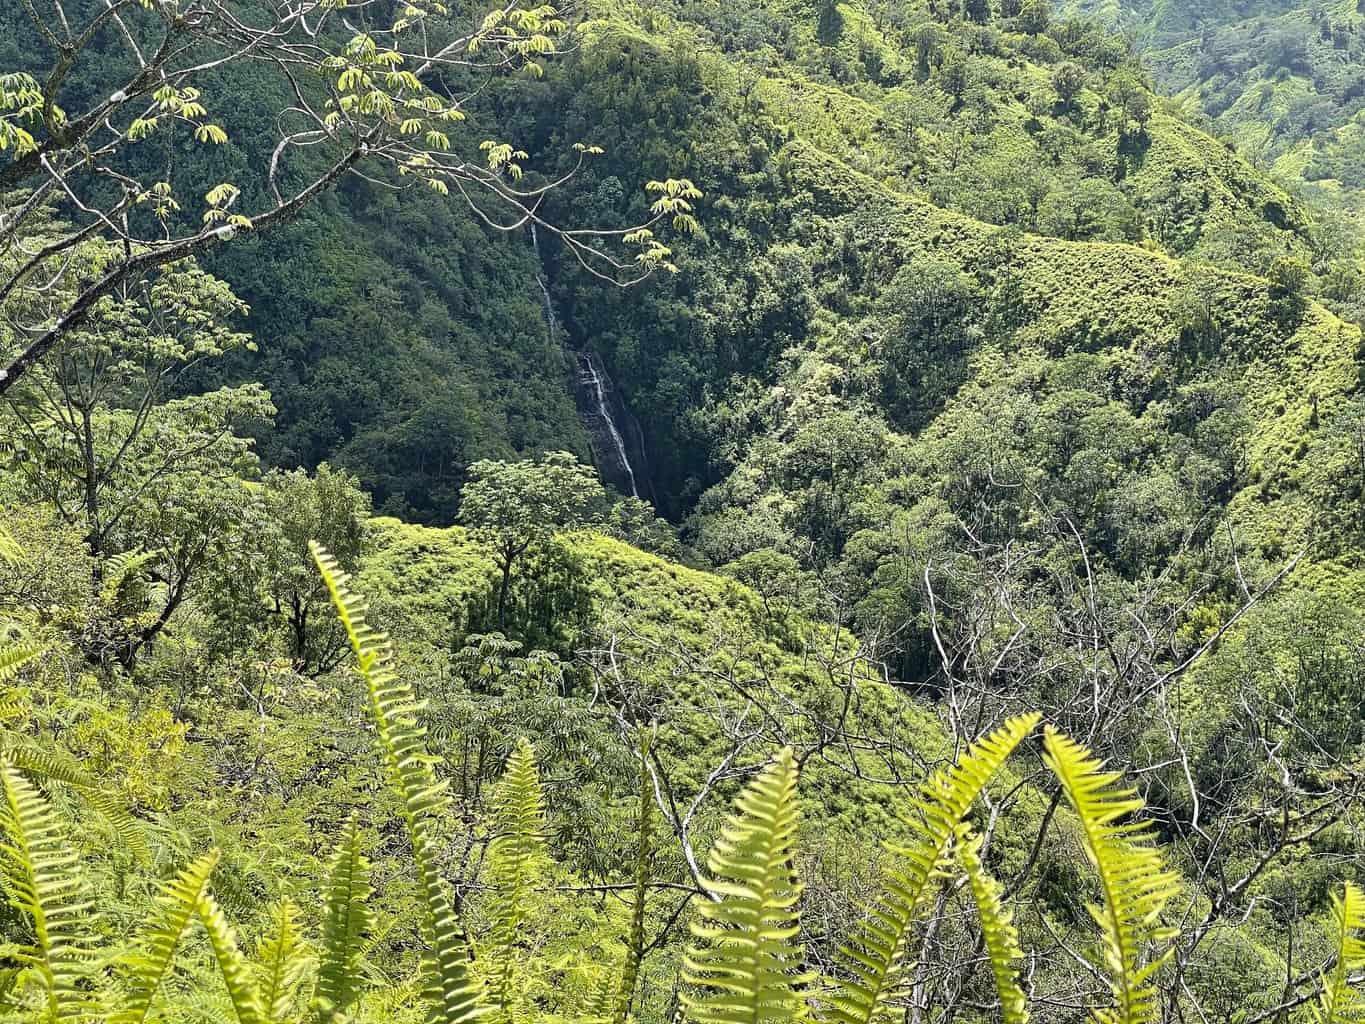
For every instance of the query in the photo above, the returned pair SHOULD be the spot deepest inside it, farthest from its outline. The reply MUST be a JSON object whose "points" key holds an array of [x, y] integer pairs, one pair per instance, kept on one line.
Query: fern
{"points": [[748, 953], [635, 943], [15, 656], [45, 883], [48, 766], [176, 909], [875, 957], [514, 855], [345, 922], [1001, 937], [10, 551], [1339, 1002], [232, 965], [284, 958], [1135, 883], [402, 743]]}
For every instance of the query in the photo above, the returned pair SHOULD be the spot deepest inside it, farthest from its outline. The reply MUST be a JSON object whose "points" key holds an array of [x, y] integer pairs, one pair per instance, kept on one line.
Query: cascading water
{"points": [[550, 320], [591, 378], [612, 431]]}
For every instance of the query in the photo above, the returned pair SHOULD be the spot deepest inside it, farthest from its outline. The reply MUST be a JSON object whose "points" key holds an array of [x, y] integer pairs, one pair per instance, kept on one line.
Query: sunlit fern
{"points": [[748, 956], [148, 965], [396, 712], [644, 849], [1341, 1002], [44, 881], [346, 920], [514, 860], [284, 957], [1000, 936], [1135, 884], [875, 958]]}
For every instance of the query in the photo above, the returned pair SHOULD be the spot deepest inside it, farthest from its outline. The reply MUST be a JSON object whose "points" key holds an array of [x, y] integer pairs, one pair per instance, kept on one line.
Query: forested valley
{"points": [[833, 511]]}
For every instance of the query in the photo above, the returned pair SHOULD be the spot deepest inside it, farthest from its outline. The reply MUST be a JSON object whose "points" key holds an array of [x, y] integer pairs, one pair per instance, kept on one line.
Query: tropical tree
{"points": [[104, 84], [518, 507]]}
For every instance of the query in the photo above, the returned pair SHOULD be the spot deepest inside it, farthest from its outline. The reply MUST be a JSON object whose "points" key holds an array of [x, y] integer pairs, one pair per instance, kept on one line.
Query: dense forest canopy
{"points": [[846, 511]]}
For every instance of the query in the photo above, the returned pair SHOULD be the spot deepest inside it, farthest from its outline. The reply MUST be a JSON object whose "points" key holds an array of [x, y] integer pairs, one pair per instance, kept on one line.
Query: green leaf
{"points": [[748, 954], [345, 923], [1132, 875], [395, 712], [232, 965], [1340, 1003], [1002, 938], [875, 958], [45, 883], [284, 958], [176, 907], [514, 858]]}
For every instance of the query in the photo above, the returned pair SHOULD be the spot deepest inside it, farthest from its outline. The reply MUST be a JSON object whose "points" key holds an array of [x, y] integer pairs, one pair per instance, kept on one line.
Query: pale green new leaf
{"points": [[997, 927], [45, 883], [232, 965], [176, 908], [748, 957], [284, 957], [1340, 1002], [875, 958], [345, 923], [514, 858], [395, 712], [1133, 877]]}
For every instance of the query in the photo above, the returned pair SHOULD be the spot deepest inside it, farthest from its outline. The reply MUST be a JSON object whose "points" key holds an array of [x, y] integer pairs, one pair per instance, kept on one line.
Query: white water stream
{"points": [[594, 379], [590, 375]]}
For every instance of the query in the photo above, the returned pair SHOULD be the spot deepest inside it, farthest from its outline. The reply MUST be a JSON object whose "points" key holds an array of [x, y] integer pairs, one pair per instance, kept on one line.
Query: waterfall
{"points": [[612, 431], [592, 378], [550, 321]]}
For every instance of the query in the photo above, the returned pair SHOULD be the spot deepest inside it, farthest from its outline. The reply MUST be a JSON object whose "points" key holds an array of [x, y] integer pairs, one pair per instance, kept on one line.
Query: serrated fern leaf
{"points": [[875, 958], [49, 766], [395, 711], [176, 908], [748, 954], [997, 928], [514, 859], [44, 881], [1133, 878], [284, 958], [232, 965], [10, 551], [635, 942], [14, 656], [345, 923], [1339, 1002]]}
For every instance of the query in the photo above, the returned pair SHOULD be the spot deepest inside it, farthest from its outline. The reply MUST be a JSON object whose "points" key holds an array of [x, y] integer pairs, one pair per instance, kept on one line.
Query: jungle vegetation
{"points": [[989, 642]]}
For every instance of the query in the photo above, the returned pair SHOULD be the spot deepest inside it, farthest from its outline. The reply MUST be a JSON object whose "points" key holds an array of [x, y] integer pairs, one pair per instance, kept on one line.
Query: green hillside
{"points": [[833, 513]]}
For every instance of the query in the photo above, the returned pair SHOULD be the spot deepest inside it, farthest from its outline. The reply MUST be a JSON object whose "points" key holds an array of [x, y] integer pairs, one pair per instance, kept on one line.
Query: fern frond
{"points": [[513, 861], [395, 712], [118, 568], [1134, 880], [46, 884], [49, 766], [176, 908], [997, 928], [10, 551], [232, 965], [599, 1005], [346, 920], [875, 957], [284, 958], [1339, 1002], [14, 656], [635, 942], [748, 954]]}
